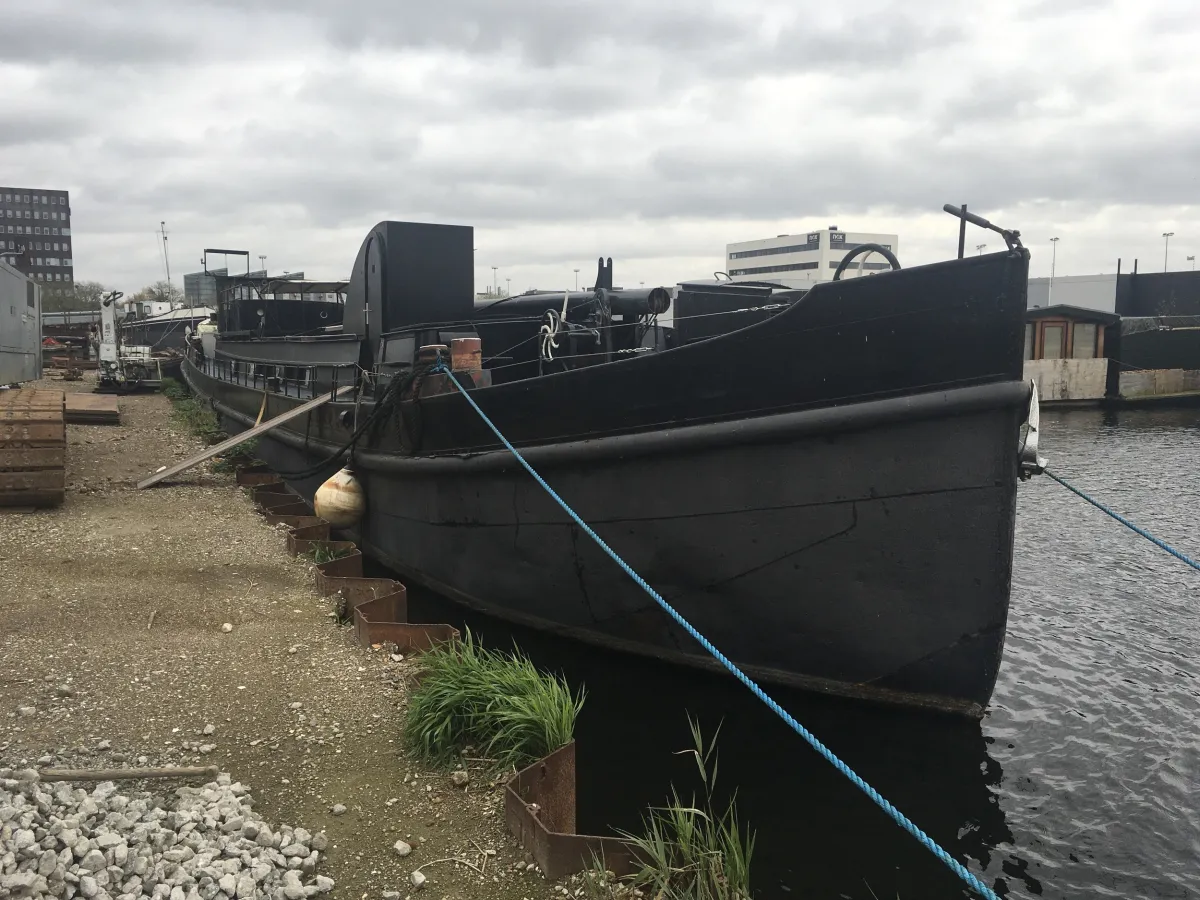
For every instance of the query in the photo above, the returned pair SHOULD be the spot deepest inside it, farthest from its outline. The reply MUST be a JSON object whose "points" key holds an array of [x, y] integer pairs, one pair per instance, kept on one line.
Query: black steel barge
{"points": [[823, 481]]}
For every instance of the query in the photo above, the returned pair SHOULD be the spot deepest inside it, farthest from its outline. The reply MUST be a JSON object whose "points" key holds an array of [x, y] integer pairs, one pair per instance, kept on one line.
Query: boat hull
{"points": [[862, 550]]}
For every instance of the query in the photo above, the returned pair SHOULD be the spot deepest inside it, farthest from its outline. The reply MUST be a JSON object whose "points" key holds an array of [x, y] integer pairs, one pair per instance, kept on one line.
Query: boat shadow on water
{"points": [[816, 834]]}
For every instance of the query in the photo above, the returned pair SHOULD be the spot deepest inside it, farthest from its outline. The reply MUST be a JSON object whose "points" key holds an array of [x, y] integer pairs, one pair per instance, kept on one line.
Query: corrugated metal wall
{"points": [[20, 327]]}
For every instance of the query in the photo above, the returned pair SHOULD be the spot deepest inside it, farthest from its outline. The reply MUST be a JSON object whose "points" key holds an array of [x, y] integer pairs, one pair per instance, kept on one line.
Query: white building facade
{"points": [[802, 260]]}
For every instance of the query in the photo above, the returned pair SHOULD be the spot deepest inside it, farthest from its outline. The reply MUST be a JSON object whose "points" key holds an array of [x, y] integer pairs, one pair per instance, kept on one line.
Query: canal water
{"points": [[1081, 781]]}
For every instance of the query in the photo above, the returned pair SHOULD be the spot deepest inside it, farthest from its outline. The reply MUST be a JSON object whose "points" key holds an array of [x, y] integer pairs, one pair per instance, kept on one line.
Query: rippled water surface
{"points": [[1082, 781]]}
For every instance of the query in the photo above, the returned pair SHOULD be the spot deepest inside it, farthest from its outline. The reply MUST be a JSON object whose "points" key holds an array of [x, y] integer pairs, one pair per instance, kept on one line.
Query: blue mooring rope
{"points": [[898, 817], [1124, 521]]}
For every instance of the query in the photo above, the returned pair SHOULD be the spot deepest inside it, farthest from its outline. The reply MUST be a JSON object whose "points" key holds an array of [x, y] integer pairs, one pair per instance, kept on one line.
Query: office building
{"points": [[802, 260], [35, 237]]}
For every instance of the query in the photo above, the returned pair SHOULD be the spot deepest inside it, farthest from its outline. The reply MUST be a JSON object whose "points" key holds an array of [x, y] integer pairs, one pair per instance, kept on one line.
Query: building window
{"points": [[763, 270], [43, 198], [1029, 340], [67, 232], [28, 215], [833, 264], [66, 247], [1083, 341], [8, 198], [67, 276], [26, 198], [10, 213], [68, 262], [1053, 338], [773, 251]]}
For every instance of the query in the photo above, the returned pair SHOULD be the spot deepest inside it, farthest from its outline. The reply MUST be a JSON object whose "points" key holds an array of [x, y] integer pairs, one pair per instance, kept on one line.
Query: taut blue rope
{"points": [[900, 819], [1124, 521]]}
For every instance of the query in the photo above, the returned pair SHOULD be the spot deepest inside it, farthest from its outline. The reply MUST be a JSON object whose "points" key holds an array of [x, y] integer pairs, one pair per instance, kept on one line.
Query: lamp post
{"points": [[508, 286], [980, 247], [1053, 264], [1192, 260], [576, 279], [262, 261], [1167, 235], [495, 287]]}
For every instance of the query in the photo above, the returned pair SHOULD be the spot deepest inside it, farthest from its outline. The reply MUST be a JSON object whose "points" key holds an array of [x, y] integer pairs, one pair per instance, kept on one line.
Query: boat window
{"points": [[1029, 340], [1083, 341], [1052, 341]]}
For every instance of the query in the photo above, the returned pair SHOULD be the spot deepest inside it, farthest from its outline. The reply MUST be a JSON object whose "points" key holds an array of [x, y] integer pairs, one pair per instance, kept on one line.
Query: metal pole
{"points": [[980, 247], [166, 258], [1192, 260], [962, 233], [1053, 264], [1167, 235], [576, 279], [495, 284]]}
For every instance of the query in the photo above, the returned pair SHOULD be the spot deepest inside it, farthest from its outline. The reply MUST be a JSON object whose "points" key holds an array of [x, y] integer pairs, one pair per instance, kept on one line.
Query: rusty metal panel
{"points": [[285, 511], [348, 566], [304, 529], [269, 500], [539, 810]]}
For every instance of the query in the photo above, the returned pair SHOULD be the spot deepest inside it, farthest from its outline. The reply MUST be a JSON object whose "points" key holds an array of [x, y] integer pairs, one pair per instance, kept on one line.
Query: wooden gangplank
{"points": [[171, 471]]}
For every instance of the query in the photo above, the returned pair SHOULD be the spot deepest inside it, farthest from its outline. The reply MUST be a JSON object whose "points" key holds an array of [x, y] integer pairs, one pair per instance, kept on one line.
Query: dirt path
{"points": [[298, 712]]}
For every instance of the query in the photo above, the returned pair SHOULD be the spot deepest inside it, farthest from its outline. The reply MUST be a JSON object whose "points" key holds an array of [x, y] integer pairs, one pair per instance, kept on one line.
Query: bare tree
{"points": [[159, 292]]}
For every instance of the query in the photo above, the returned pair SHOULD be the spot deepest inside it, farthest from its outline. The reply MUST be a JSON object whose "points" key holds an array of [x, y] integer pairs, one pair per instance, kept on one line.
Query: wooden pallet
{"points": [[33, 444]]}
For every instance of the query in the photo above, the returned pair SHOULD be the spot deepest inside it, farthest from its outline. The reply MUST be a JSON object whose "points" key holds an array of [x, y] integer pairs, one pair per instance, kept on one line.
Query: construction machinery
{"points": [[123, 367]]}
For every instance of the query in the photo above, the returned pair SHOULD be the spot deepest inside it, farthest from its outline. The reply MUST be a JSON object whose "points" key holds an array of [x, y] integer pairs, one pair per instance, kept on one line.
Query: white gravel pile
{"points": [[199, 843]]}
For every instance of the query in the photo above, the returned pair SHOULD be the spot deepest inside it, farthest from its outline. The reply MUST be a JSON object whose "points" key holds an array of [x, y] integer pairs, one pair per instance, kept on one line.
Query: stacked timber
{"points": [[92, 409], [33, 447]]}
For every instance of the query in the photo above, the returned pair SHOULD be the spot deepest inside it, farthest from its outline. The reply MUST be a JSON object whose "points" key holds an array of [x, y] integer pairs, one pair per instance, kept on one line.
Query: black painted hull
{"points": [[860, 546]]}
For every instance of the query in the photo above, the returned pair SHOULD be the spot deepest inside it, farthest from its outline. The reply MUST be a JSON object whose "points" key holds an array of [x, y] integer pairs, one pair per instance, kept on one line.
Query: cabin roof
{"points": [[1063, 311]]}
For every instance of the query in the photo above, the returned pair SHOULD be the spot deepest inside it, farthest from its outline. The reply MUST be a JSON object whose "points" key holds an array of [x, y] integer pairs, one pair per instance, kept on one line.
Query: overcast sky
{"points": [[653, 132]]}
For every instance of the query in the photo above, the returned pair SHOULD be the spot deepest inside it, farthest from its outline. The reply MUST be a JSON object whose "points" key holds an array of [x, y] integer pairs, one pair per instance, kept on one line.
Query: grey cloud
{"points": [[106, 34], [28, 128]]}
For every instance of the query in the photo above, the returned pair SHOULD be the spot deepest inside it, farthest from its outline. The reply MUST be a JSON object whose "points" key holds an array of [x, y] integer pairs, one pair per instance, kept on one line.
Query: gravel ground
{"points": [[113, 654]]}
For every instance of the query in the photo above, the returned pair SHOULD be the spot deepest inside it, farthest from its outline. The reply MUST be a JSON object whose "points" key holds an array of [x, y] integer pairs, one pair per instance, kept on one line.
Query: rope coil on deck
{"points": [[898, 817]]}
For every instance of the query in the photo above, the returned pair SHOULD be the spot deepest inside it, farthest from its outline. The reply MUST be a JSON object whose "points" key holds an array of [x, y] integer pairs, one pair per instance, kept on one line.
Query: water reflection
{"points": [[817, 835]]}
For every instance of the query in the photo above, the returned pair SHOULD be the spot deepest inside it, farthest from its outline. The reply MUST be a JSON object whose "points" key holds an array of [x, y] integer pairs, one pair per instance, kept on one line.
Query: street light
{"points": [[1167, 235], [576, 279], [508, 286], [263, 261], [1192, 260], [495, 288], [1053, 263], [980, 247]]}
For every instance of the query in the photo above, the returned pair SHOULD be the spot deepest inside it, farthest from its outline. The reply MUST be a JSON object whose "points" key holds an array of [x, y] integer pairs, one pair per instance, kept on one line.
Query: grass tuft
{"points": [[175, 389], [191, 413], [496, 702], [688, 851], [323, 553]]}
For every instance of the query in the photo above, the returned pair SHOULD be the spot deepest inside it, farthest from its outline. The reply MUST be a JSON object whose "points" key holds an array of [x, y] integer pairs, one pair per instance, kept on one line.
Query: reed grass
{"points": [[688, 851], [498, 703]]}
